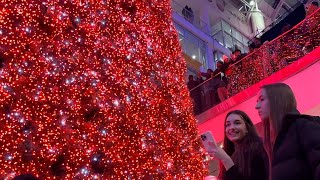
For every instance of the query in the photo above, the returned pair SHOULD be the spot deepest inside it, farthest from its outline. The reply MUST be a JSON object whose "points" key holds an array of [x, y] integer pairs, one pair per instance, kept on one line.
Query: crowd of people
{"points": [[208, 89], [215, 83]]}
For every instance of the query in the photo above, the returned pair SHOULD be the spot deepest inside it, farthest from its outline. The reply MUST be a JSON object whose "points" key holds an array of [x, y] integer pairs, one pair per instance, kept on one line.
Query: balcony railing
{"points": [[190, 16], [261, 63]]}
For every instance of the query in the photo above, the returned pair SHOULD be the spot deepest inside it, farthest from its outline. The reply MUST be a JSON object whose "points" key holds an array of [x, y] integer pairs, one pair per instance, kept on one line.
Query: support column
{"points": [[206, 27], [210, 58], [204, 19]]}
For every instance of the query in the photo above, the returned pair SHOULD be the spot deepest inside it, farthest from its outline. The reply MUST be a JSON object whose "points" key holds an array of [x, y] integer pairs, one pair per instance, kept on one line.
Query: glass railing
{"points": [[259, 64], [190, 16]]}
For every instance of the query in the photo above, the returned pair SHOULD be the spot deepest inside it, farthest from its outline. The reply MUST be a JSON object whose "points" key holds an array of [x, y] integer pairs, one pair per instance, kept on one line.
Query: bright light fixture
{"points": [[251, 3]]}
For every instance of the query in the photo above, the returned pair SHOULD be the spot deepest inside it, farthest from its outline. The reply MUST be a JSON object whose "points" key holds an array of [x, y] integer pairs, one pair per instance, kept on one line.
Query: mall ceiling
{"points": [[270, 8], [279, 7]]}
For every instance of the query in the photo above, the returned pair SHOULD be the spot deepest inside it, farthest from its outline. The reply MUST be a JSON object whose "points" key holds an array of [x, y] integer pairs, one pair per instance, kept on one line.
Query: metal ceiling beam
{"points": [[277, 9], [245, 2], [276, 3], [234, 10], [251, 10]]}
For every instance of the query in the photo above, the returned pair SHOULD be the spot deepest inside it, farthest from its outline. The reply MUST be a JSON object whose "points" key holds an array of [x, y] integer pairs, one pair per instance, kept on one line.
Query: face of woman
{"points": [[236, 128], [263, 106]]}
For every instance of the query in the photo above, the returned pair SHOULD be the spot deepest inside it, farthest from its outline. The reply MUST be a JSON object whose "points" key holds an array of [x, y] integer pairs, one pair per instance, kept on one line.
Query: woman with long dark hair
{"points": [[243, 155], [292, 140]]}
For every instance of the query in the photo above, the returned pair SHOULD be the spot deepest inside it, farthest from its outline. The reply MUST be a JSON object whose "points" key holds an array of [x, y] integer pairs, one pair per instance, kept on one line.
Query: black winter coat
{"points": [[259, 170], [296, 153], [259, 167]]}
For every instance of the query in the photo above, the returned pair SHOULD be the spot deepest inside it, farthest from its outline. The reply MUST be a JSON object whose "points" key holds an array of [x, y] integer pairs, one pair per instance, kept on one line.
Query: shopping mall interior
{"points": [[271, 36], [159, 89]]}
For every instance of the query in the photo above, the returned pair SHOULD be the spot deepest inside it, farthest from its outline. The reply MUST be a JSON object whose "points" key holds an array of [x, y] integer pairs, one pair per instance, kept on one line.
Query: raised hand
{"points": [[218, 153]]}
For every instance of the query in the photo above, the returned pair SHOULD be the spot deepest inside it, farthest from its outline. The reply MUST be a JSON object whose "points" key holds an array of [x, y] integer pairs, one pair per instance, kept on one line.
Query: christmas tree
{"points": [[94, 90]]}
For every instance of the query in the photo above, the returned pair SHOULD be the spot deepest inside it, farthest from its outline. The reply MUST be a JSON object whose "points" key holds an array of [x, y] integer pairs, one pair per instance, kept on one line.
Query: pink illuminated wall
{"points": [[302, 76]]}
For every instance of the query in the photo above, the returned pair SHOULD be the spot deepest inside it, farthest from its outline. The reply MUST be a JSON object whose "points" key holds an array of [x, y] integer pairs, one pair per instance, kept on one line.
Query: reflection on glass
{"points": [[203, 56], [237, 35], [219, 38], [228, 41], [230, 37], [192, 45], [226, 27], [239, 46], [192, 38], [217, 56], [216, 28]]}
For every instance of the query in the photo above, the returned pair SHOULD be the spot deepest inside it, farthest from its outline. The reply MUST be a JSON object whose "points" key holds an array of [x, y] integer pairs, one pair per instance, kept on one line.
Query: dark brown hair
{"points": [[242, 155]]}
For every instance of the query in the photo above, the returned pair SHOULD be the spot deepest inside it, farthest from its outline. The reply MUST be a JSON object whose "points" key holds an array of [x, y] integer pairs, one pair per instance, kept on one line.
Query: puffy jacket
{"points": [[296, 153]]}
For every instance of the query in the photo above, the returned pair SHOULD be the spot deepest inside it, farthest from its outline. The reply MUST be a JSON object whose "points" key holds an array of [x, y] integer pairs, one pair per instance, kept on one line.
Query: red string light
{"points": [[94, 90], [275, 55]]}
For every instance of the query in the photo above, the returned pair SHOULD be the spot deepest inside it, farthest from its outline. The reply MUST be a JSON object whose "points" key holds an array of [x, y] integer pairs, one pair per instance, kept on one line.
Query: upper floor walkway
{"points": [[292, 58]]}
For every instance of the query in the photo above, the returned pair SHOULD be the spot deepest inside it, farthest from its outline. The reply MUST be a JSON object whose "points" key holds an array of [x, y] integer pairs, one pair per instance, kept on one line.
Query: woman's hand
{"points": [[218, 153]]}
